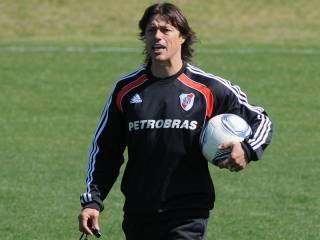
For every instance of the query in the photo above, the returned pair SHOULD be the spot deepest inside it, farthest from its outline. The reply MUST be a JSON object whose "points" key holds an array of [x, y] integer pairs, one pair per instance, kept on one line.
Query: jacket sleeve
{"points": [[106, 156], [231, 99]]}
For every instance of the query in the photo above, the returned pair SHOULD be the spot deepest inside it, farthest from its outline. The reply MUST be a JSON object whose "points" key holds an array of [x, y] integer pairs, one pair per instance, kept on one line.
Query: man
{"points": [[158, 112]]}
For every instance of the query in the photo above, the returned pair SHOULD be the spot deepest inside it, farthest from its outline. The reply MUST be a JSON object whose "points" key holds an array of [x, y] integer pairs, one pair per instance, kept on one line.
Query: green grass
{"points": [[51, 98], [51, 102], [113, 21]]}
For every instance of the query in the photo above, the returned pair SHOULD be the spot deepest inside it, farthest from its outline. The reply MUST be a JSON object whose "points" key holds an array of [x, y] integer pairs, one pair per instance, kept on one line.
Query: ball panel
{"points": [[235, 125], [221, 155]]}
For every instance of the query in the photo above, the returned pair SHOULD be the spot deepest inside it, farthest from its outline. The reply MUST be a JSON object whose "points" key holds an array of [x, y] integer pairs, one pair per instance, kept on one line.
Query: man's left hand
{"points": [[237, 160]]}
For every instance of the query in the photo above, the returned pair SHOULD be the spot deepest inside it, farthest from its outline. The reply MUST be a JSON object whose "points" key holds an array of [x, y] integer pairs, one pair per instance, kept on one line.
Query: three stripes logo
{"points": [[136, 99]]}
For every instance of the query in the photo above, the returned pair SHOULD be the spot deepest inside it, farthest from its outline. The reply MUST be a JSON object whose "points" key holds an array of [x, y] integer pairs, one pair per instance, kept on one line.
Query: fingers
{"points": [[231, 165], [95, 223], [88, 220], [226, 145], [237, 159], [83, 224]]}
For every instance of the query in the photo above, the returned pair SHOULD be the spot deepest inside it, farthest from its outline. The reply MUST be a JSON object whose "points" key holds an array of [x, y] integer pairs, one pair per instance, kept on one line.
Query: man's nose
{"points": [[158, 34]]}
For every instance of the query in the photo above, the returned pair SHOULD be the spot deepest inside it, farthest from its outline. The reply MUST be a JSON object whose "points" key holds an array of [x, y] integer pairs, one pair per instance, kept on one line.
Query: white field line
{"points": [[74, 49]]}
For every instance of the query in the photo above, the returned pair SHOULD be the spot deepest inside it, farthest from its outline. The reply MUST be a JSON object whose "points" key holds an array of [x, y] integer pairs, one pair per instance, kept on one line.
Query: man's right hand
{"points": [[88, 219]]}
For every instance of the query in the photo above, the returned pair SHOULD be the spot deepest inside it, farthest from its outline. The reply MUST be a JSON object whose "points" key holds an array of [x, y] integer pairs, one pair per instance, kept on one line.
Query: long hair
{"points": [[172, 15]]}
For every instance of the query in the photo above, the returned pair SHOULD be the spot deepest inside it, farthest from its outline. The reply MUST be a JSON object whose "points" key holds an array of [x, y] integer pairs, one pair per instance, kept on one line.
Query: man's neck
{"points": [[165, 69]]}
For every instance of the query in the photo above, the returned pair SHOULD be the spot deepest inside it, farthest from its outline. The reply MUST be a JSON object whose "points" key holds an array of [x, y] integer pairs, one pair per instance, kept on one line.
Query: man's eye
{"points": [[150, 30]]}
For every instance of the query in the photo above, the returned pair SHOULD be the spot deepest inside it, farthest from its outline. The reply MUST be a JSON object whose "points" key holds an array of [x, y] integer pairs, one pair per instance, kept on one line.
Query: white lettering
{"points": [[193, 125], [167, 123], [185, 124], [176, 123], [159, 123], [130, 126], [162, 123], [151, 123], [136, 125], [143, 122]]}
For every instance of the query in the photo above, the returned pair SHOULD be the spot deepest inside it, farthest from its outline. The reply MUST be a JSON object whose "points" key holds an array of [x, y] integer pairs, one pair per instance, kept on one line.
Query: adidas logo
{"points": [[136, 99]]}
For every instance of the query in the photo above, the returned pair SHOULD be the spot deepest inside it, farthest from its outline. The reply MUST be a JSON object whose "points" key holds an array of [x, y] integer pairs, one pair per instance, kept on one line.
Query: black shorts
{"points": [[164, 228]]}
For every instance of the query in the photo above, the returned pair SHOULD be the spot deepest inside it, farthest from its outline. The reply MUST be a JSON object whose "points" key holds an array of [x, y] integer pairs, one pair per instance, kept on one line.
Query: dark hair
{"points": [[173, 15]]}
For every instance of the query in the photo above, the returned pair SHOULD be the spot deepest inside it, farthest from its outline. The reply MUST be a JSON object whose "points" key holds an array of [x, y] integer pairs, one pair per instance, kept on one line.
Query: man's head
{"points": [[166, 33]]}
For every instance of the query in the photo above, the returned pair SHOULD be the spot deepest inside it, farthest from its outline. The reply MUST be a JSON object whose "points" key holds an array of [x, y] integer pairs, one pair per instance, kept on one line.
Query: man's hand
{"points": [[238, 159], [88, 219]]}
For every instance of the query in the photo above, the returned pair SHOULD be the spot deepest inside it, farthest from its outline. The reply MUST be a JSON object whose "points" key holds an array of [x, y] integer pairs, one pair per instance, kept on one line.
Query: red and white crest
{"points": [[186, 100]]}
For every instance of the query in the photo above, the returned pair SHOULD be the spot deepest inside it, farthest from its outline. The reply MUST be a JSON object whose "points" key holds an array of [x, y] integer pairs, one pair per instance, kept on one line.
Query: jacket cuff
{"points": [[91, 200], [93, 205], [248, 151]]}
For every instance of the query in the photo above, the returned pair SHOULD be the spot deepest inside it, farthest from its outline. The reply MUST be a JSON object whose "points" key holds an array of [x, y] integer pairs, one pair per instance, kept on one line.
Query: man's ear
{"points": [[182, 39]]}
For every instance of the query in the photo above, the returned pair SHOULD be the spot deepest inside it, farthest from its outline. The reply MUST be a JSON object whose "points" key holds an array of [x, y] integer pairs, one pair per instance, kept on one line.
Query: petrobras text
{"points": [[162, 123]]}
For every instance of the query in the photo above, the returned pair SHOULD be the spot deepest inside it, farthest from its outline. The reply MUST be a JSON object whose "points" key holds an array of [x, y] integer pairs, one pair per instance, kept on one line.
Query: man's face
{"points": [[163, 41]]}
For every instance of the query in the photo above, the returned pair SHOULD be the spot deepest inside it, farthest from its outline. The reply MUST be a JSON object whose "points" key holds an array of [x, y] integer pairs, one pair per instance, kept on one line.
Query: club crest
{"points": [[186, 100]]}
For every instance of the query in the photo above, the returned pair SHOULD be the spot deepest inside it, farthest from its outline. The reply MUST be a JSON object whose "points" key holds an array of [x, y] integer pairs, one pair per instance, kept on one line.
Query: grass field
{"points": [[54, 83]]}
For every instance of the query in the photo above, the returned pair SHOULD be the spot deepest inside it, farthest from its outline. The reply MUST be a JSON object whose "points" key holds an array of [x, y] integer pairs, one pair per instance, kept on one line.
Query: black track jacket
{"points": [[160, 121]]}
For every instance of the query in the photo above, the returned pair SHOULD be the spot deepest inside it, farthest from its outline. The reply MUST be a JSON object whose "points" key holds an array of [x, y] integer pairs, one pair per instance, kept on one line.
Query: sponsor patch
{"points": [[162, 123]]}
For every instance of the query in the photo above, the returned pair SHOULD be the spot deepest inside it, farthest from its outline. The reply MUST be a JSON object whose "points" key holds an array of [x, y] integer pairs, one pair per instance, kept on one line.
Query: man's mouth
{"points": [[158, 47]]}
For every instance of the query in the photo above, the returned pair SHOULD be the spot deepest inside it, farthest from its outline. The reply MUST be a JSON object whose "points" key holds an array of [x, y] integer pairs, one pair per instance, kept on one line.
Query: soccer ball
{"points": [[223, 128]]}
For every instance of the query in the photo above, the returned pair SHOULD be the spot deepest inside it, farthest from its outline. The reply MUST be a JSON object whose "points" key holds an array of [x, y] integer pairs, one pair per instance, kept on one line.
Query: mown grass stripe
{"points": [[245, 51]]}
